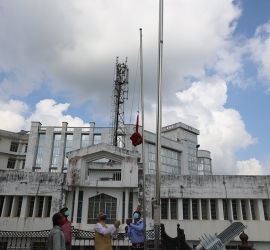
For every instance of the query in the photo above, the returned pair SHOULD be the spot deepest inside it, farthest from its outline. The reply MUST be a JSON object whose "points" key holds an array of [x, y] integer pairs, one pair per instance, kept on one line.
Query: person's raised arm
{"points": [[136, 227], [104, 231]]}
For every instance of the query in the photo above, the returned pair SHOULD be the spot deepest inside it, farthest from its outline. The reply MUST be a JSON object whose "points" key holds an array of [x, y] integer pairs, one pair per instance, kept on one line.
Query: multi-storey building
{"points": [[81, 169]]}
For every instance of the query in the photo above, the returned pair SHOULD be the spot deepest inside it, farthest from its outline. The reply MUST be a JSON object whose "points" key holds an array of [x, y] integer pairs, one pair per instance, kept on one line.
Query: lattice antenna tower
{"points": [[119, 94]]}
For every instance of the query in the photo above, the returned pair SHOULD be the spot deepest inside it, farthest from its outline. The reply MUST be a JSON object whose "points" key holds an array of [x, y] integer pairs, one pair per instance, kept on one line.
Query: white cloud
{"points": [[12, 115], [259, 48], [73, 45], [249, 167], [49, 113], [222, 131]]}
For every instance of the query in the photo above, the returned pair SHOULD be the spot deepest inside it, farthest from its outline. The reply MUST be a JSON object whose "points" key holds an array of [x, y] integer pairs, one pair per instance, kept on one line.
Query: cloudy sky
{"points": [[57, 63]]}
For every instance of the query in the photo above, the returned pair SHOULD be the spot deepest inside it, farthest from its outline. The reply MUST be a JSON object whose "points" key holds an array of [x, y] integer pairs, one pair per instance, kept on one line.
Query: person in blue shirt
{"points": [[135, 230]]}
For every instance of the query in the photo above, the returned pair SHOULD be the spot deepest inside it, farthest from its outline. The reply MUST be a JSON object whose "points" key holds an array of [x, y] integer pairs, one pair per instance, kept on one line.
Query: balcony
{"points": [[111, 175]]}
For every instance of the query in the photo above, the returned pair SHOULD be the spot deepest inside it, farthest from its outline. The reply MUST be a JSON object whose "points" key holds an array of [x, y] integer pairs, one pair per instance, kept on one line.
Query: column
{"points": [[180, 209], [14, 206], [239, 210], [126, 203], [35, 210], [24, 207], [230, 211], [76, 205], [45, 206], [91, 133], [5, 207], [220, 213], [70, 201], [62, 147], [32, 146], [248, 210], [259, 209]]}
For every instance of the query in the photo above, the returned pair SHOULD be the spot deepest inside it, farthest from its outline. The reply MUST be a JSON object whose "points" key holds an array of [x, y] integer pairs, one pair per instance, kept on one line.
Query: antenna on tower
{"points": [[119, 94]]}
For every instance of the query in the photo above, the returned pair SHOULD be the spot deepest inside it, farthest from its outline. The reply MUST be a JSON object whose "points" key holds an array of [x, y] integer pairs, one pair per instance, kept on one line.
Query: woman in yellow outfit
{"points": [[103, 232]]}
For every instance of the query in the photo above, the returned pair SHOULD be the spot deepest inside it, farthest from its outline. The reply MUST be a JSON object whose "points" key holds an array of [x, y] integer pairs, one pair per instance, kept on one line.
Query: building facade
{"points": [[50, 167]]}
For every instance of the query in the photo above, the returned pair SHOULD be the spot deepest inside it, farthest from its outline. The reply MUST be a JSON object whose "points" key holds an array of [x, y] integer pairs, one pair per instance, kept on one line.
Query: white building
{"points": [[50, 167]]}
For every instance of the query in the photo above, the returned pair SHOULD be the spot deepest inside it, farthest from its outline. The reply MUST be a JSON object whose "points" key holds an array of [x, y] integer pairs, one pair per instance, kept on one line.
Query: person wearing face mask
{"points": [[66, 228], [135, 230], [103, 232]]}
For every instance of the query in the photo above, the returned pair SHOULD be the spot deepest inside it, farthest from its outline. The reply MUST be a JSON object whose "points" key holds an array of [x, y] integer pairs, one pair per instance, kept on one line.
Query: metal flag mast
{"points": [[143, 148], [158, 128]]}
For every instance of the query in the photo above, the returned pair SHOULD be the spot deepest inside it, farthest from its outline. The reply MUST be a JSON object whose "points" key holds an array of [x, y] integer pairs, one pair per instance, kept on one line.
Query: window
{"points": [[80, 203], [31, 207], [213, 209], [104, 203], [264, 210], [120, 141], [68, 148], [204, 166], [170, 161], [11, 163], [204, 209], [49, 207], [14, 146], [40, 150], [192, 152], [19, 206], [23, 164], [186, 209], [234, 209], [252, 207], [25, 148], [164, 208], [2, 199], [243, 206], [195, 209], [173, 203], [10, 205], [85, 141], [55, 153], [97, 139], [225, 209], [40, 206]]}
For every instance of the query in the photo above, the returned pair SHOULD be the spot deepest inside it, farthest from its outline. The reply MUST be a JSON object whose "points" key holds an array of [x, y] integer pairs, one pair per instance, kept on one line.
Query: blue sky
{"points": [[57, 63]]}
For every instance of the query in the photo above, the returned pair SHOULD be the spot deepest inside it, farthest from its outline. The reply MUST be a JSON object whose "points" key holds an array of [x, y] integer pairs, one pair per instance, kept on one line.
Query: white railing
{"points": [[92, 175]]}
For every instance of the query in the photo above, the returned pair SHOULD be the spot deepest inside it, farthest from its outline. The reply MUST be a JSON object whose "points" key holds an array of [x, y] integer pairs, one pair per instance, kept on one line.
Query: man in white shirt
{"points": [[103, 232]]}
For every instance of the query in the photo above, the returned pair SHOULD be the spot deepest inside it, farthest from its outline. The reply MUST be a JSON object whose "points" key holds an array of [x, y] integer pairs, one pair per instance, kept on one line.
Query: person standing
{"points": [[135, 231], [66, 228], [56, 240], [103, 232]]}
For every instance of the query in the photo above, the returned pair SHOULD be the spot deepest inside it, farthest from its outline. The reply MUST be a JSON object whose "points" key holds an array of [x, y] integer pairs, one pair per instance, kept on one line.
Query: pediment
{"points": [[100, 151]]}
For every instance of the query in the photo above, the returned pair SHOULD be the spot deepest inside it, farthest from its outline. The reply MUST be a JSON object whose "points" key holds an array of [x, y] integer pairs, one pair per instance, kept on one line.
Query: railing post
{"points": [[162, 230], [244, 238], [178, 237]]}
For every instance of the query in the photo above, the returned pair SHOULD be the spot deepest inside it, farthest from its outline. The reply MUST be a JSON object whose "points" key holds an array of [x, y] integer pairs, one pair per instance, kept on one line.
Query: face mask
{"points": [[67, 213], [103, 217], [135, 216]]}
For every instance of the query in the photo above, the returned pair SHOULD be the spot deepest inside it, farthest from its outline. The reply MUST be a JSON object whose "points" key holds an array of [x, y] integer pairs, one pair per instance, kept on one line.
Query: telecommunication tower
{"points": [[119, 94]]}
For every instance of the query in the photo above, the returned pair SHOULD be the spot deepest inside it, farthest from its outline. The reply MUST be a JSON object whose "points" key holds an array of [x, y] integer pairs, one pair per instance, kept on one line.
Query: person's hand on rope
{"points": [[128, 221]]}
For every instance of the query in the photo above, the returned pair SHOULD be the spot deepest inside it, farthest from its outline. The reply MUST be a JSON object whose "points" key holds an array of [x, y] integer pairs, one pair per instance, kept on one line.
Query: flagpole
{"points": [[157, 215], [143, 148]]}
